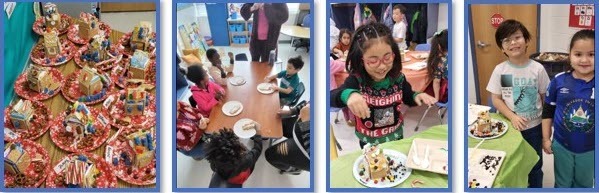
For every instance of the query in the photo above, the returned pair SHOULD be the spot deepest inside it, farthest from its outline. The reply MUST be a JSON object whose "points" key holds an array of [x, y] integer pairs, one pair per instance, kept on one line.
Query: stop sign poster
{"points": [[496, 19], [582, 16]]}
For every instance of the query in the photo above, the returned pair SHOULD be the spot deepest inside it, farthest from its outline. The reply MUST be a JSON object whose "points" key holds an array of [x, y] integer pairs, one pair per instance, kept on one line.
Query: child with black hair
{"points": [[376, 88], [217, 71], [230, 159], [570, 109], [437, 65], [400, 27], [289, 80], [206, 94], [342, 47], [518, 86]]}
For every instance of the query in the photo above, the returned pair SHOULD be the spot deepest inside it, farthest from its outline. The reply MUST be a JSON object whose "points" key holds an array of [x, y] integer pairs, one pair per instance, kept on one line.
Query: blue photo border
{"points": [[449, 118], [467, 24], [174, 101], [157, 187]]}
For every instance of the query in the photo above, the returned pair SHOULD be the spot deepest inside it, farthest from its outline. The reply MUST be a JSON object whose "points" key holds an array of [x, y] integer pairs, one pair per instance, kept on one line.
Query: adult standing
{"points": [[266, 26]]}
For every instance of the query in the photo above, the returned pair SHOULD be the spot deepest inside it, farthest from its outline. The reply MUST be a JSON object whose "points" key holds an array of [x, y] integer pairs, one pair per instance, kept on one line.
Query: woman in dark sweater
{"points": [[266, 26]]}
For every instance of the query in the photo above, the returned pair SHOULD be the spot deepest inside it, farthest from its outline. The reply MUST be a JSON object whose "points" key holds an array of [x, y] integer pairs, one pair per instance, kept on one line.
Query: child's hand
{"points": [[304, 113], [204, 123], [426, 99], [275, 88], [358, 105], [518, 122], [547, 146], [267, 79], [219, 96]]}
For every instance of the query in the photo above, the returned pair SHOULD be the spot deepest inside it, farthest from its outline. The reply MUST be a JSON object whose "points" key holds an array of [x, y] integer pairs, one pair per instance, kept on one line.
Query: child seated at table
{"points": [[518, 86], [190, 128], [569, 108], [230, 159], [206, 94], [217, 71], [376, 88], [343, 45], [437, 66], [289, 80]]}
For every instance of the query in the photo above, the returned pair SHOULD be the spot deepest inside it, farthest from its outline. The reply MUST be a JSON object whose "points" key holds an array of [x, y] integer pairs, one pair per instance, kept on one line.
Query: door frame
{"points": [[471, 41]]}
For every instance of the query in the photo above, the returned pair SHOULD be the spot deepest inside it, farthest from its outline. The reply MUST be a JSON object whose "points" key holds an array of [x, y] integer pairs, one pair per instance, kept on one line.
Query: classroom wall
{"points": [[443, 18], [555, 34], [471, 84]]}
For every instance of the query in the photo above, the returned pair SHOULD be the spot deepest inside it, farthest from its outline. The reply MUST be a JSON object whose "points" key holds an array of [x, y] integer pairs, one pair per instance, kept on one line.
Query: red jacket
{"points": [[188, 130]]}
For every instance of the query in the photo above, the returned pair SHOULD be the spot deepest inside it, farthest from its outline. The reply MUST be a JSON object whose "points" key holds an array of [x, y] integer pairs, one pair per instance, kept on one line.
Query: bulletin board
{"points": [[582, 16]]}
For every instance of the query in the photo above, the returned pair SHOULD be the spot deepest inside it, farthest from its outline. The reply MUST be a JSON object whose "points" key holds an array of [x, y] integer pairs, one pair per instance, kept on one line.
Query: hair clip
{"points": [[438, 33]]}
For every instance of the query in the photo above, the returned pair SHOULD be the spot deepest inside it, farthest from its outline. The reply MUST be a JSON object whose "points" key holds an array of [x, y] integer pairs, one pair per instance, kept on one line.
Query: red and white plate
{"points": [[120, 73], [36, 172], [66, 141], [22, 87], [113, 53], [67, 51], [148, 120], [126, 49], [73, 33], [106, 179], [139, 176], [71, 91], [39, 125], [66, 21]]}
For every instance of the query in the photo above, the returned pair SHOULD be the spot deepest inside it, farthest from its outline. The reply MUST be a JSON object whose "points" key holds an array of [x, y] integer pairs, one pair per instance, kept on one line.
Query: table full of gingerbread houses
{"points": [[85, 115]]}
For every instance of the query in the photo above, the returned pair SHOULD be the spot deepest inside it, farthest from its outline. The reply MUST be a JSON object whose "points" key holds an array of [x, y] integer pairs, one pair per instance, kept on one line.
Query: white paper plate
{"points": [[496, 135], [237, 81], [262, 86], [398, 158], [230, 105], [244, 134]]}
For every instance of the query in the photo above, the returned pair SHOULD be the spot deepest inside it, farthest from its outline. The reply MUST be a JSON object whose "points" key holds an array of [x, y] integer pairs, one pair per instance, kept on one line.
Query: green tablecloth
{"points": [[341, 168], [519, 160]]}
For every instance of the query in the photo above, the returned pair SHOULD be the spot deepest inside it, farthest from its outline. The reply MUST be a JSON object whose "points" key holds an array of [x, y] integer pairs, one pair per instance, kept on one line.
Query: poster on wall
{"points": [[234, 10], [582, 16]]}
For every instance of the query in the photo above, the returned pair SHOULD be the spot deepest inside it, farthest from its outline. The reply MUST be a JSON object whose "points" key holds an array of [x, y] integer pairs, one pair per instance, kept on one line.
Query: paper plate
{"points": [[72, 93], [106, 178], [88, 143], [120, 76], [65, 22], [145, 121], [244, 134], [265, 88], [227, 107], [36, 172], [39, 125], [120, 146], [237, 81], [126, 49], [67, 51], [114, 55], [22, 87], [495, 133], [398, 169]]}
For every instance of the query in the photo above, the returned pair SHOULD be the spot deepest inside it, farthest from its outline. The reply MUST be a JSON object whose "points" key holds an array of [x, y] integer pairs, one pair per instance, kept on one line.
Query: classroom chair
{"points": [[298, 94], [423, 47], [241, 57], [441, 110]]}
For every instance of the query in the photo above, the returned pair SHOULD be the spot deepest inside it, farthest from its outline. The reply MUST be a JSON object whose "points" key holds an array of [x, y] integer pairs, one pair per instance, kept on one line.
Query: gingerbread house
{"points": [[375, 163], [139, 65], [51, 43], [39, 79], [483, 123], [136, 101], [16, 159], [97, 50], [51, 16], [81, 173], [140, 38], [79, 123], [90, 81], [88, 26], [142, 143], [21, 114]]}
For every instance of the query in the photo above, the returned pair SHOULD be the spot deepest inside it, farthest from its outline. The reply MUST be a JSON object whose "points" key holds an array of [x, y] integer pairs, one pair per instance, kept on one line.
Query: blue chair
{"points": [[423, 47], [336, 111], [441, 110], [241, 57]]}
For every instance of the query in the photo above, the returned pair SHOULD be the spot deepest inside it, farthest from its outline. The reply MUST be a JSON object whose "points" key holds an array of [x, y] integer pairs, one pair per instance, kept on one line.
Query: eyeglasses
{"points": [[516, 38], [375, 62]]}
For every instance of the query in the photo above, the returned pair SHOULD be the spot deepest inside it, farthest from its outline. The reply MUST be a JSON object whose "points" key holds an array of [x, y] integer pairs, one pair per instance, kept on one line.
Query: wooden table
{"points": [[296, 31], [418, 79], [59, 104], [256, 106]]}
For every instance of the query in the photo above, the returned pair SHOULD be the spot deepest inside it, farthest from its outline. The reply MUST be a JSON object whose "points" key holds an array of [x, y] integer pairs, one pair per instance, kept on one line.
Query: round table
{"points": [[341, 168], [519, 160]]}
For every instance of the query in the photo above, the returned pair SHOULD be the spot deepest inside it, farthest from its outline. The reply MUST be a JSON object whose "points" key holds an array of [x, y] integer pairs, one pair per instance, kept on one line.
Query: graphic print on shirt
{"points": [[579, 115], [524, 92], [384, 117]]}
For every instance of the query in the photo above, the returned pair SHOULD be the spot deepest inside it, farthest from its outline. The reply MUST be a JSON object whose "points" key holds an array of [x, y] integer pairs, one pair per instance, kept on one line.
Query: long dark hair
{"points": [[344, 31], [438, 47], [362, 40], [580, 35]]}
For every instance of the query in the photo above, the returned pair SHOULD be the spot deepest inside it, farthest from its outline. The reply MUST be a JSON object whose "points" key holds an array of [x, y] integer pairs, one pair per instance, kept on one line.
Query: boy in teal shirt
{"points": [[289, 80]]}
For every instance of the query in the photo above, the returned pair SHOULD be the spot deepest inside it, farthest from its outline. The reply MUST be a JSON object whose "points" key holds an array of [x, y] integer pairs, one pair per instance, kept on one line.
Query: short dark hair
{"points": [[195, 74], [297, 62], [400, 7], [509, 27], [210, 53]]}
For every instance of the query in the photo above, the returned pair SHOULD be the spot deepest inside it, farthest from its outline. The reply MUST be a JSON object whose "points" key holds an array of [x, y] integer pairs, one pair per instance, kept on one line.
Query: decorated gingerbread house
{"points": [[483, 122], [375, 163], [51, 16], [21, 114], [136, 101], [88, 26], [51, 43], [139, 65], [98, 50], [16, 159], [142, 143], [91, 81], [80, 172], [140, 38], [40, 80], [79, 122]]}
